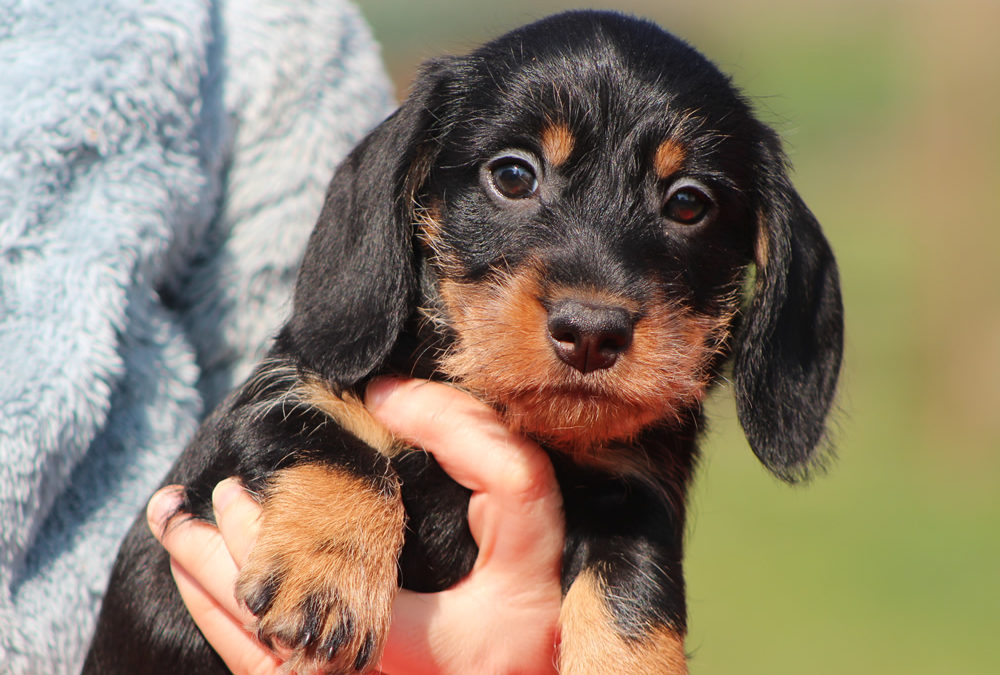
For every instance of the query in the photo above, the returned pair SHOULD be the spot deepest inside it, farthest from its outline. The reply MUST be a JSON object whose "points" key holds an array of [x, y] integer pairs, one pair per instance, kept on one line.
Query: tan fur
{"points": [[590, 644], [429, 226], [762, 250], [351, 414], [327, 536], [419, 170], [345, 408], [669, 158], [504, 355], [428, 220], [557, 143]]}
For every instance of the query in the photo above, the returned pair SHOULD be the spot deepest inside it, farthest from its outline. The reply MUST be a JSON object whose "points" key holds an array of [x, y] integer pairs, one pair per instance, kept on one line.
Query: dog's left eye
{"points": [[514, 179], [687, 205]]}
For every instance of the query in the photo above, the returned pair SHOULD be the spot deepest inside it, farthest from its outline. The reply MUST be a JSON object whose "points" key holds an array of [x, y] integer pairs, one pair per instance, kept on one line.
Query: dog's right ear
{"points": [[357, 282]]}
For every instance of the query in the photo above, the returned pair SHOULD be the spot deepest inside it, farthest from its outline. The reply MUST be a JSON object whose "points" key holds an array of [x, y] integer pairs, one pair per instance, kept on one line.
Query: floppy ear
{"points": [[788, 354], [357, 283]]}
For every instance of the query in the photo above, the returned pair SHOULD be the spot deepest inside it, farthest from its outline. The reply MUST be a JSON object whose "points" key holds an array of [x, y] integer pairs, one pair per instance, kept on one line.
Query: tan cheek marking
{"points": [[429, 227], [762, 249], [669, 158], [419, 171], [590, 643], [351, 414], [557, 143], [502, 339], [326, 554]]}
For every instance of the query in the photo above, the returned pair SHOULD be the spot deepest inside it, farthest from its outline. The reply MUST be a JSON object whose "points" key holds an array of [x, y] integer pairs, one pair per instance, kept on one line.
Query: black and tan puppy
{"points": [[579, 222]]}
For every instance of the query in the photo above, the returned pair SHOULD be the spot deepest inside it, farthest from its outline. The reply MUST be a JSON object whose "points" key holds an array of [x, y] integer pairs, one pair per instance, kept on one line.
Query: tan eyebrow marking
{"points": [[669, 158], [557, 143]]}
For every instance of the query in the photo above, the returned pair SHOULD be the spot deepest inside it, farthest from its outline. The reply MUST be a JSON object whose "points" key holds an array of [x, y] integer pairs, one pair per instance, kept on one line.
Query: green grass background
{"points": [[889, 563]]}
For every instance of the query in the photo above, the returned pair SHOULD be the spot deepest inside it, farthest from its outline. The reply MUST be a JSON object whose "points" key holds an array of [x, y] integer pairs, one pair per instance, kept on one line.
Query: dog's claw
{"points": [[323, 631]]}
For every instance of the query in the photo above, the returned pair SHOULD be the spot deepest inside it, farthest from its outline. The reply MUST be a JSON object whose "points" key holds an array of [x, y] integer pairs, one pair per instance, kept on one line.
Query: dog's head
{"points": [[580, 203]]}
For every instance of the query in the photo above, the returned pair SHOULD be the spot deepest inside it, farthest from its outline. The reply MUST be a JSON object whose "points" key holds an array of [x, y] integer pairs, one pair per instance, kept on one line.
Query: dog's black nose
{"points": [[587, 336]]}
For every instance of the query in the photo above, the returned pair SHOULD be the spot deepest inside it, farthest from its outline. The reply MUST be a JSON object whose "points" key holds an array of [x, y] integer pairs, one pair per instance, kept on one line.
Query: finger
{"points": [[516, 507], [198, 547], [526, 543], [238, 518], [453, 424], [242, 654], [414, 634], [466, 436], [450, 631]]}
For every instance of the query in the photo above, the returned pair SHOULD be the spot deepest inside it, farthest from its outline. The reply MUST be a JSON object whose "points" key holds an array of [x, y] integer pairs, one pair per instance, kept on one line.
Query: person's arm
{"points": [[502, 618]]}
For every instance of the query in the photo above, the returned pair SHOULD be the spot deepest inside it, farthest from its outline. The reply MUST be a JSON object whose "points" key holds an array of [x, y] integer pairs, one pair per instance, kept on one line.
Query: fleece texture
{"points": [[161, 165]]}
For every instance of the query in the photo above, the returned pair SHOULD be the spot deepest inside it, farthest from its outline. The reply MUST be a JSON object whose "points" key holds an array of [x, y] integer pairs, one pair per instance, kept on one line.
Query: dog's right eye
{"points": [[514, 179]]}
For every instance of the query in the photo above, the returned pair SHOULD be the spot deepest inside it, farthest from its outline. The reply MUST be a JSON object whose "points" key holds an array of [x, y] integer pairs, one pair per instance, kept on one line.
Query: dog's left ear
{"points": [[788, 353], [357, 282]]}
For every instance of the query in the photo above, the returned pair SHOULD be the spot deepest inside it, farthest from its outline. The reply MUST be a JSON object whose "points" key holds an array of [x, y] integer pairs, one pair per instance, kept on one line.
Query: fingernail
{"points": [[224, 494], [378, 390], [163, 505]]}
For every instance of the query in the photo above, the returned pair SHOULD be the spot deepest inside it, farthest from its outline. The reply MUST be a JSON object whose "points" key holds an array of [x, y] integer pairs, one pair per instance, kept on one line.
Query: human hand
{"points": [[502, 618]]}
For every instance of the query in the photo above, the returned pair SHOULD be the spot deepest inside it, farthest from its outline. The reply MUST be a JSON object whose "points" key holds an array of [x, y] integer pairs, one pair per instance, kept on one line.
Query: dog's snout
{"points": [[589, 337]]}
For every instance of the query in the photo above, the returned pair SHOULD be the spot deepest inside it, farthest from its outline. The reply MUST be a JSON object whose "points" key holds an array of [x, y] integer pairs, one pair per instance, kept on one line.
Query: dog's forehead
{"points": [[600, 79]]}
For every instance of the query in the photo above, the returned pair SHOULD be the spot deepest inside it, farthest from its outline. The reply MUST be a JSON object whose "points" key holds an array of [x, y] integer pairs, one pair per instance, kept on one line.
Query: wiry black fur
{"points": [[622, 85]]}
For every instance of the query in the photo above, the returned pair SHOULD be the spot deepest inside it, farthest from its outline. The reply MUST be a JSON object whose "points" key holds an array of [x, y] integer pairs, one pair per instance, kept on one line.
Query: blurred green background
{"points": [[890, 111]]}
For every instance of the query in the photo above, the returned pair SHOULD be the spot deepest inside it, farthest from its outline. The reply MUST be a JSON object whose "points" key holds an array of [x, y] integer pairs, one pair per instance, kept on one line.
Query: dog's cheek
{"points": [[502, 343], [322, 576]]}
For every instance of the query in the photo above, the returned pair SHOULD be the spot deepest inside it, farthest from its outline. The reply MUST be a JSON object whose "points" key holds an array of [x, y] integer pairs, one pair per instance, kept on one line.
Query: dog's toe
{"points": [[322, 574], [327, 621]]}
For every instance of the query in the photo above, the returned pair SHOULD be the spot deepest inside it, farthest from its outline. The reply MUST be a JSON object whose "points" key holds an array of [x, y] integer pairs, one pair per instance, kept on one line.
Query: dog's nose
{"points": [[587, 336]]}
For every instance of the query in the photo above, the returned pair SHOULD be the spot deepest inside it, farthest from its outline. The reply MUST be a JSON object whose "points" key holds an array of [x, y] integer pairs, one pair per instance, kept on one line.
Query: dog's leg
{"points": [[593, 641], [322, 574], [623, 610], [144, 626]]}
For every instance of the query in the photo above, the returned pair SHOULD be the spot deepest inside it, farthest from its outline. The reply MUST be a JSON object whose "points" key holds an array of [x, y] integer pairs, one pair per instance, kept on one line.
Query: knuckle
{"points": [[528, 475]]}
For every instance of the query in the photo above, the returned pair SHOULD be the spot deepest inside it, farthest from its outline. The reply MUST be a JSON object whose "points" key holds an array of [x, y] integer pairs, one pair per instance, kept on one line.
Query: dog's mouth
{"points": [[579, 369]]}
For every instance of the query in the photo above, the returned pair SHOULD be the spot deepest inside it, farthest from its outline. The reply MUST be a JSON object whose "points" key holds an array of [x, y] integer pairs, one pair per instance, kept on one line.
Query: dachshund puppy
{"points": [[580, 222]]}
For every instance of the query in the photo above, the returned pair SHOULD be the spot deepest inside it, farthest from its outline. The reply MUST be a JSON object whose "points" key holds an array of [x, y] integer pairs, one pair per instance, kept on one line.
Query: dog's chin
{"points": [[574, 422], [580, 420]]}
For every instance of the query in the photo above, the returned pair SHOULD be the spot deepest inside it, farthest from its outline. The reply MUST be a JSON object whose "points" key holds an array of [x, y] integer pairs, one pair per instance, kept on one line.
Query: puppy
{"points": [[580, 222]]}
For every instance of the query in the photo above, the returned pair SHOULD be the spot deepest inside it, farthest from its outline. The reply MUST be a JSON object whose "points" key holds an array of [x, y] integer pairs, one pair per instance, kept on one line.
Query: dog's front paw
{"points": [[329, 616], [322, 574]]}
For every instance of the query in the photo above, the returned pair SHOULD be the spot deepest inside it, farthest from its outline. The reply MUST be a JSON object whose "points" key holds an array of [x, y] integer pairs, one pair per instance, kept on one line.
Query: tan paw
{"points": [[322, 574]]}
